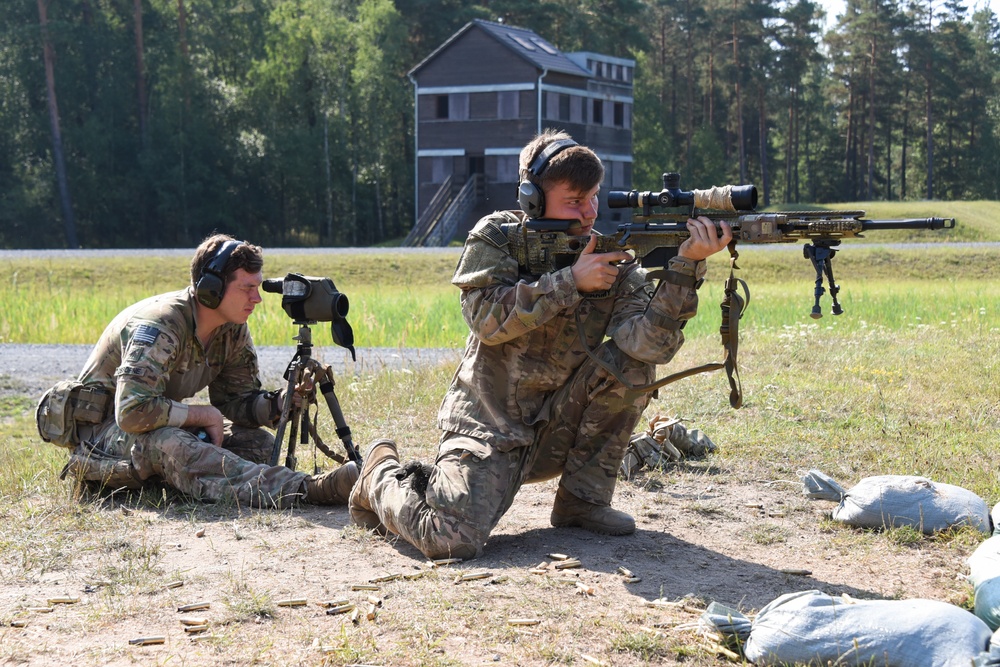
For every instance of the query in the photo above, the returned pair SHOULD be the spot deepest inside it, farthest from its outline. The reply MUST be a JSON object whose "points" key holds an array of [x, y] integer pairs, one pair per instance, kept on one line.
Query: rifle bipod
{"points": [[306, 371], [821, 254]]}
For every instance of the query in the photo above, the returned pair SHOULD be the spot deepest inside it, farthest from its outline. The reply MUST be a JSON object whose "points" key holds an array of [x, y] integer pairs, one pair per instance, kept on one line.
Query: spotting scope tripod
{"points": [[306, 373], [308, 300]]}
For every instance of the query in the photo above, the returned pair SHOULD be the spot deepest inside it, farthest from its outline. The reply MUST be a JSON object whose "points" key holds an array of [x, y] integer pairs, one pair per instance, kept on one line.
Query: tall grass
{"points": [[409, 302]]}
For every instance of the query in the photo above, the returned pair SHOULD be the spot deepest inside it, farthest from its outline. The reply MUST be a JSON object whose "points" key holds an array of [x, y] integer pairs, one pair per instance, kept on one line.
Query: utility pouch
{"points": [[66, 405]]}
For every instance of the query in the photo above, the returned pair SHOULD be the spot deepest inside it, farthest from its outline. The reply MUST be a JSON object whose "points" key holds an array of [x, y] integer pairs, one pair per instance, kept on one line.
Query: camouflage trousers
{"points": [[236, 472], [449, 509]]}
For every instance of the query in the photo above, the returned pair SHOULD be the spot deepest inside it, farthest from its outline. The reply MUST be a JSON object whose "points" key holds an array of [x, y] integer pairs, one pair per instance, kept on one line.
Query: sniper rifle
{"points": [[543, 245]]}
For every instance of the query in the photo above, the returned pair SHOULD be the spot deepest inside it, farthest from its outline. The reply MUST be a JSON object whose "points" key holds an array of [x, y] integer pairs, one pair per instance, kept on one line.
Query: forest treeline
{"points": [[151, 123]]}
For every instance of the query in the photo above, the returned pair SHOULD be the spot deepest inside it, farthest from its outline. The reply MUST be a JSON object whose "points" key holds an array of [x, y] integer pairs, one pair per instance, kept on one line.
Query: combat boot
{"points": [[379, 452], [332, 487], [569, 511]]}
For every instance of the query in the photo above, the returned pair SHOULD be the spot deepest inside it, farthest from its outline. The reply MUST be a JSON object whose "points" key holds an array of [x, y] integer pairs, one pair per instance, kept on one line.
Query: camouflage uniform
{"points": [[150, 359], [527, 404]]}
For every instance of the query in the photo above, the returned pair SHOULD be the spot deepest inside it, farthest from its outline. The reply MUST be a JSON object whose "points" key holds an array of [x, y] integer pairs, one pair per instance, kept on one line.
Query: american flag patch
{"points": [[145, 334]]}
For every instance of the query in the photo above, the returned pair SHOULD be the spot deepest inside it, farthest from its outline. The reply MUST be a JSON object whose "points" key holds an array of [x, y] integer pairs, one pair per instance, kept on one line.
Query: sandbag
{"points": [[887, 501], [811, 627], [984, 575]]}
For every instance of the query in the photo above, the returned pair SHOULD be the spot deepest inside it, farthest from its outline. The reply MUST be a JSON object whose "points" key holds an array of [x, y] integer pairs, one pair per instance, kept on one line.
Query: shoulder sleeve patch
{"points": [[491, 233], [145, 334]]}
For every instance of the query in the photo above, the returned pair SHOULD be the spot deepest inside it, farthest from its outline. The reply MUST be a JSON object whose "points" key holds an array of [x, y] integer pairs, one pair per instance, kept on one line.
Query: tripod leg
{"points": [[294, 373], [290, 459], [343, 430]]}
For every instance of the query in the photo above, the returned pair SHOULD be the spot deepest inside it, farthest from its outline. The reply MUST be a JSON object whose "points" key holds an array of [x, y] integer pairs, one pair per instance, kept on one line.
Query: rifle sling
{"points": [[732, 305]]}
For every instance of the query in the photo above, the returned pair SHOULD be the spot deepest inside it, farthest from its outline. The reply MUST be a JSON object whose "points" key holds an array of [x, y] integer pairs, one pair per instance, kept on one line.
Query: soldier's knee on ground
{"points": [[439, 533], [447, 550]]}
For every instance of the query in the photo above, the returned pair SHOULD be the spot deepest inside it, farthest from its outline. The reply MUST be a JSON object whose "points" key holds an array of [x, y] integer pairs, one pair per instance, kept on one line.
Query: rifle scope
{"points": [[719, 198]]}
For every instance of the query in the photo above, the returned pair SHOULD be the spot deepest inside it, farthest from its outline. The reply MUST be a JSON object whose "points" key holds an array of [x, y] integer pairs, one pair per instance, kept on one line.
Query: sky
{"points": [[834, 7]]}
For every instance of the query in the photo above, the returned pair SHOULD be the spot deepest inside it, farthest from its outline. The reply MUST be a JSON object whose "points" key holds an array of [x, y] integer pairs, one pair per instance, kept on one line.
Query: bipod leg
{"points": [[821, 254], [817, 255], [834, 287], [326, 384]]}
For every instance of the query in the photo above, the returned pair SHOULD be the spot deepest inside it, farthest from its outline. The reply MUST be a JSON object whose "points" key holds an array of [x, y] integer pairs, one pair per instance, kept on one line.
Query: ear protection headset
{"points": [[530, 197], [212, 282]]}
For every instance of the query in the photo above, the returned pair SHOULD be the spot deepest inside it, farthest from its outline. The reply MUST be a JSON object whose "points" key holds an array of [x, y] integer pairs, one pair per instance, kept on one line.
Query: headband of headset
{"points": [[541, 161], [212, 282]]}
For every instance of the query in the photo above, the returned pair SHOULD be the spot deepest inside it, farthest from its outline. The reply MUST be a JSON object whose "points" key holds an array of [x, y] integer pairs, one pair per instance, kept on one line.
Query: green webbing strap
{"points": [[733, 306], [732, 310]]}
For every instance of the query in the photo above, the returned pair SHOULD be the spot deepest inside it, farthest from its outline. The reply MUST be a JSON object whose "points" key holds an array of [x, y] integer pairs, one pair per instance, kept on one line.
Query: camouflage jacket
{"points": [[151, 360], [523, 343]]}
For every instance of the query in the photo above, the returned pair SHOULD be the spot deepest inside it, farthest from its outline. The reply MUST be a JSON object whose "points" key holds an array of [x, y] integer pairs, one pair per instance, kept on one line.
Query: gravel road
{"points": [[31, 369]]}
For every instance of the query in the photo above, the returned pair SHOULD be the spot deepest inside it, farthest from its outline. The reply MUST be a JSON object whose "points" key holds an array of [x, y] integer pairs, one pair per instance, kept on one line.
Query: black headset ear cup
{"points": [[212, 283], [531, 199]]}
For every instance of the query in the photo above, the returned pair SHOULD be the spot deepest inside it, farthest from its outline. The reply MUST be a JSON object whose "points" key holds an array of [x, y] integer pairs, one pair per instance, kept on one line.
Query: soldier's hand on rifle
{"points": [[705, 239], [596, 272]]}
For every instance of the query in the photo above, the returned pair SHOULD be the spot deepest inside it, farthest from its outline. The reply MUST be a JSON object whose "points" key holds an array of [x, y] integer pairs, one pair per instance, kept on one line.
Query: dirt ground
{"points": [[706, 536], [706, 532]]}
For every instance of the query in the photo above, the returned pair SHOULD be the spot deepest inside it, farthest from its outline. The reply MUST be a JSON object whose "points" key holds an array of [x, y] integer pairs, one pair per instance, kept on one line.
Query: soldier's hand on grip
{"points": [[596, 272]]}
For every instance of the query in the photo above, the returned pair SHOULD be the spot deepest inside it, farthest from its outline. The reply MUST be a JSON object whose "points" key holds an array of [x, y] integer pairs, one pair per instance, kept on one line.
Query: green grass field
{"points": [[60, 302], [400, 300]]}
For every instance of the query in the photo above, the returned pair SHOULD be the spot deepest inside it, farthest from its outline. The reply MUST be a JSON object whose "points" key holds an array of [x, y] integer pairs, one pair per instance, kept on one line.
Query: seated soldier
{"points": [[167, 348]]}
